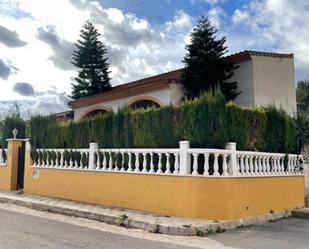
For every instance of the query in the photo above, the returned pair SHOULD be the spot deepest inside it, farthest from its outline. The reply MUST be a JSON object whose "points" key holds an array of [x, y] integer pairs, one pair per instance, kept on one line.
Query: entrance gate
{"points": [[21, 166]]}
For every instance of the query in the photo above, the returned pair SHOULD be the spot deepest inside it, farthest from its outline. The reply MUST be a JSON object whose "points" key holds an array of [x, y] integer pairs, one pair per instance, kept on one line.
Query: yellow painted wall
{"points": [[8, 173], [198, 197]]}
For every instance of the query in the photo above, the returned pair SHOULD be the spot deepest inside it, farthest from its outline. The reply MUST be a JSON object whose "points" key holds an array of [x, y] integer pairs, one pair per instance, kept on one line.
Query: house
{"points": [[263, 79]]}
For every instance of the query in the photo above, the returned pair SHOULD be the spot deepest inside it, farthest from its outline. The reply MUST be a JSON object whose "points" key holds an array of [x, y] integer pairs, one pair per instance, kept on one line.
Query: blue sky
{"points": [[143, 38], [161, 11]]}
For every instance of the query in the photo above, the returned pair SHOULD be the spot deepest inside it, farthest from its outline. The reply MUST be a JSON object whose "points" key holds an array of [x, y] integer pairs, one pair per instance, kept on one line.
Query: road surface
{"points": [[29, 229]]}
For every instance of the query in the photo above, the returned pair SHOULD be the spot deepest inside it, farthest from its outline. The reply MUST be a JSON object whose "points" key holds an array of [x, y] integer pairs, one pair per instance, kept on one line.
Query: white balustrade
{"points": [[3, 157], [261, 163], [178, 161], [210, 161]]}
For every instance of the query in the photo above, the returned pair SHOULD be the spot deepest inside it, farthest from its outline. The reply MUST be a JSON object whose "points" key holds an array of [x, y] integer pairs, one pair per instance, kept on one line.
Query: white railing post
{"points": [[232, 166], [93, 148], [185, 158]]}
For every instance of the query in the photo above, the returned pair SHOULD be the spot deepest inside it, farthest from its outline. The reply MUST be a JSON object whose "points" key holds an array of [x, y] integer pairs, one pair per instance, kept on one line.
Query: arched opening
{"points": [[94, 112], [144, 103]]}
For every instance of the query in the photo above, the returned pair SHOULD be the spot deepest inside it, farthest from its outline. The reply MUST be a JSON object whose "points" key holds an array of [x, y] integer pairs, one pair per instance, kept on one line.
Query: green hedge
{"points": [[302, 124], [207, 122], [7, 126]]}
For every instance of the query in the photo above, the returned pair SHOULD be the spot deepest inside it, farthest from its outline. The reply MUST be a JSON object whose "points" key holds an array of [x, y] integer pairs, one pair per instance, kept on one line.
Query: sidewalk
{"points": [[133, 219]]}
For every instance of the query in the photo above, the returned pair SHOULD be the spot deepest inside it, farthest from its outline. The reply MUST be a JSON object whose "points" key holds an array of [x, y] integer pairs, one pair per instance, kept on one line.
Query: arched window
{"points": [[94, 113], [144, 103]]}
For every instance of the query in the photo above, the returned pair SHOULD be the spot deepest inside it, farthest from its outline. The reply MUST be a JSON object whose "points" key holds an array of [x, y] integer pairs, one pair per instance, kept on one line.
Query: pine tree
{"points": [[89, 57], [206, 69]]}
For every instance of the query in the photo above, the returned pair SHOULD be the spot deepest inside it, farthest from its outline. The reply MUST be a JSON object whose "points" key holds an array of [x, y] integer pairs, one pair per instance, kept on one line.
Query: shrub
{"points": [[207, 122], [10, 123]]}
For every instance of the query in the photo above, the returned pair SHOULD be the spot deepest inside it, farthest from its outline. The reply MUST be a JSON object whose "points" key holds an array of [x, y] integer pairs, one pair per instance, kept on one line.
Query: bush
{"points": [[207, 122], [302, 125], [10, 123]]}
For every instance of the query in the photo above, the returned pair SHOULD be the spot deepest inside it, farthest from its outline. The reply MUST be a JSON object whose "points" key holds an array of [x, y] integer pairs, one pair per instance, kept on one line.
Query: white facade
{"points": [[170, 95], [266, 80]]}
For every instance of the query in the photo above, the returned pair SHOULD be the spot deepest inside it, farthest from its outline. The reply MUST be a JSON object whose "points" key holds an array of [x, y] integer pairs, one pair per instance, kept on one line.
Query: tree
{"points": [[12, 121], [90, 58], [206, 69], [302, 96]]}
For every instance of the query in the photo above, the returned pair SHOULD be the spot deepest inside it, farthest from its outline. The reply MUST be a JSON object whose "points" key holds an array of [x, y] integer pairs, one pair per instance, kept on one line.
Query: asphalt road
{"points": [[23, 228], [291, 233], [20, 231]]}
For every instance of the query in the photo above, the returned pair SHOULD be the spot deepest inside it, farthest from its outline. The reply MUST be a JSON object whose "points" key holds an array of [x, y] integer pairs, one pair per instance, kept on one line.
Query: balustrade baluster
{"points": [[159, 164], [104, 161], [176, 164], [130, 162], [247, 165], [116, 162], [144, 162], [256, 165], [267, 158], [57, 159], [206, 164], [224, 165], [122, 162], [136, 169], [151, 163], [242, 165], [98, 161], [110, 161], [168, 165], [195, 164], [216, 165], [251, 165], [281, 163]]}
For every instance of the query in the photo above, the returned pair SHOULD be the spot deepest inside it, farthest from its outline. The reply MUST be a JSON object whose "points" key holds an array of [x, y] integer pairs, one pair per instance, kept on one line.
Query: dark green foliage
{"points": [[302, 124], [10, 123], [245, 126], [302, 96], [280, 131], [89, 57], [206, 122], [153, 128], [201, 121], [206, 69]]}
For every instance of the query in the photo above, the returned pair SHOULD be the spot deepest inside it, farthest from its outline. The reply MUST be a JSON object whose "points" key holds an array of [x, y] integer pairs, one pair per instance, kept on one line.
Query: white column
{"points": [[93, 147], [232, 166], [185, 158]]}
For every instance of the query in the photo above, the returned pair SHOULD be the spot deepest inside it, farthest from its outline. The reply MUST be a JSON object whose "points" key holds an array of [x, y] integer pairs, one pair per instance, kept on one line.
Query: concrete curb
{"points": [[186, 229], [301, 213]]}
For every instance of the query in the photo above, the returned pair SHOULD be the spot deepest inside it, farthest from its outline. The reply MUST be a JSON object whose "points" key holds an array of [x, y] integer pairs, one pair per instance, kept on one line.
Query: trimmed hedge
{"points": [[7, 126], [207, 122]]}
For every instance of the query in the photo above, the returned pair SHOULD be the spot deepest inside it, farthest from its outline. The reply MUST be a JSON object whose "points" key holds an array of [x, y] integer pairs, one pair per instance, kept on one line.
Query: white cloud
{"points": [[216, 16], [135, 48], [274, 25]]}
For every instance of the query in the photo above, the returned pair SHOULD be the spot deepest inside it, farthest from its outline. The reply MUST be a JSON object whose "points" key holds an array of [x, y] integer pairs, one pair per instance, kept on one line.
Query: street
{"points": [[25, 228]]}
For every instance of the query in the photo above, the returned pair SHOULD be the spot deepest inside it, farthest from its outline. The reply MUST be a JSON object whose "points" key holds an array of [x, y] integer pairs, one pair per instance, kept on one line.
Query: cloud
{"points": [[10, 38], [6, 69], [280, 26], [24, 89], [39, 103], [216, 16], [62, 49]]}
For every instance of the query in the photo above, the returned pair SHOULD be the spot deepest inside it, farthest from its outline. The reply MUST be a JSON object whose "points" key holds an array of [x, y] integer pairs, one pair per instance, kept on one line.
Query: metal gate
{"points": [[21, 166]]}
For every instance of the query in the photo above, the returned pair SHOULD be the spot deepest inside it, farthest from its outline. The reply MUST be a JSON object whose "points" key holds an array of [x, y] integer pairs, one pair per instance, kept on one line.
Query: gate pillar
{"points": [[11, 169]]}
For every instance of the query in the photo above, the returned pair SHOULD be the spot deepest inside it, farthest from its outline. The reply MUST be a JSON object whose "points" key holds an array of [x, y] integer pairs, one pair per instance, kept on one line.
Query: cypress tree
{"points": [[90, 58], [206, 69]]}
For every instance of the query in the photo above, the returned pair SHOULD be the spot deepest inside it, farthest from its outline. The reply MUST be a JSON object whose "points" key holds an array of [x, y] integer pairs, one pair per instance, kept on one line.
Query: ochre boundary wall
{"points": [[219, 198]]}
